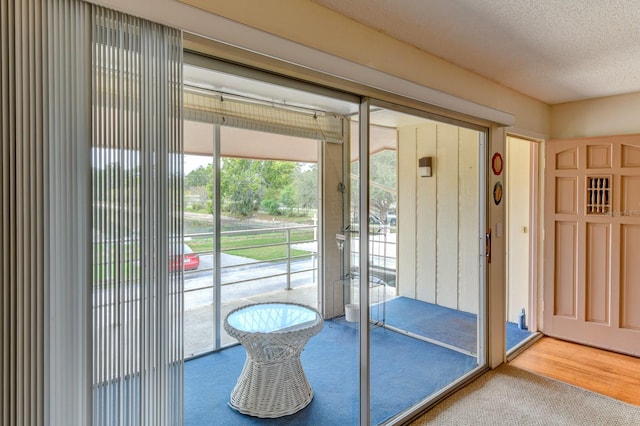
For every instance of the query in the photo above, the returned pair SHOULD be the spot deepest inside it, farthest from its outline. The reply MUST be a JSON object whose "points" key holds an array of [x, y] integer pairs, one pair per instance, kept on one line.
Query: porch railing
{"points": [[308, 245]]}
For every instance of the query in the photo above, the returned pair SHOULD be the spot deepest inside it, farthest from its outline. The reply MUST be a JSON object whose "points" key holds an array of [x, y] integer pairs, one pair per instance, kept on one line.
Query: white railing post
{"points": [[288, 237]]}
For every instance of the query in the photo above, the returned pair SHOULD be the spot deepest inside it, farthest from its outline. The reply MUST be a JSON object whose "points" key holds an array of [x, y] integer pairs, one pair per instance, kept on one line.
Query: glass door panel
{"points": [[198, 246], [263, 162], [349, 322], [426, 271]]}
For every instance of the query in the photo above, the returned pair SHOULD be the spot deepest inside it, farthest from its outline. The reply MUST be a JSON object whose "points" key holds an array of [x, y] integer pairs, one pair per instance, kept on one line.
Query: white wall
{"points": [[517, 192], [438, 216]]}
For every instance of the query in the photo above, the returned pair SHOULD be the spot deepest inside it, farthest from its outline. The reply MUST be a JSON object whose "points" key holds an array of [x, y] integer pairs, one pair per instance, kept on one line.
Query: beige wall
{"points": [[307, 23], [438, 216], [612, 115]]}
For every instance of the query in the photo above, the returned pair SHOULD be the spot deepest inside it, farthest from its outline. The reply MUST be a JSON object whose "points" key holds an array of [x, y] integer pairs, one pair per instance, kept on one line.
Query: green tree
{"points": [[200, 177], [244, 184], [288, 198], [277, 174], [382, 183], [240, 185], [382, 177], [198, 185], [306, 187]]}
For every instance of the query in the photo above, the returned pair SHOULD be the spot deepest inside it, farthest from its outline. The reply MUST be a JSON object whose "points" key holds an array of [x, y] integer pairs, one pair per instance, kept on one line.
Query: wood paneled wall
{"points": [[438, 246]]}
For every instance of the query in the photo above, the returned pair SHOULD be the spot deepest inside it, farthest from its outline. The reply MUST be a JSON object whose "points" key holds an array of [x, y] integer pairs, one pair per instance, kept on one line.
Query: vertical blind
{"points": [[90, 217], [44, 219], [22, 214], [137, 222], [67, 100]]}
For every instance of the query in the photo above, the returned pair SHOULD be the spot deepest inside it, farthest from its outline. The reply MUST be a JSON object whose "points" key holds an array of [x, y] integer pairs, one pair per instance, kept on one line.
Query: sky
{"points": [[192, 162]]}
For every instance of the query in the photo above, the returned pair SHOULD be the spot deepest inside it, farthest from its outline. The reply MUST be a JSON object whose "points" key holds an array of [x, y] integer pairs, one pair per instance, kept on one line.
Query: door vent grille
{"points": [[598, 195]]}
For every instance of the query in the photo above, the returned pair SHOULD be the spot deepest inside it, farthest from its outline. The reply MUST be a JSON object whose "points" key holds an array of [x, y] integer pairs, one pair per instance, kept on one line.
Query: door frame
{"points": [[535, 235]]}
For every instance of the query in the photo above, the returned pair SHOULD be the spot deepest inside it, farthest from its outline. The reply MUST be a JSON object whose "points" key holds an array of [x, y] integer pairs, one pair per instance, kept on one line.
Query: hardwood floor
{"points": [[607, 373]]}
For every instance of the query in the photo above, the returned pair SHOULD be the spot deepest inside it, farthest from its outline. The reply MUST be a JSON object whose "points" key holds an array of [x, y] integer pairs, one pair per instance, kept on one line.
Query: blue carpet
{"points": [[403, 371], [515, 335], [436, 322], [445, 325]]}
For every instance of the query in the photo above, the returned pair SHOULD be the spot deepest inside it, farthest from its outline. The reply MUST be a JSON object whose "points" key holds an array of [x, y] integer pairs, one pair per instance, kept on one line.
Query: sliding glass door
{"points": [[426, 282], [376, 216]]}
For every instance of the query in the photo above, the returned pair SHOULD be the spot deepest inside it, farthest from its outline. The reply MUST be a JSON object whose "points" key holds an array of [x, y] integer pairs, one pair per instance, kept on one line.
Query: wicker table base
{"points": [[272, 383], [271, 390]]}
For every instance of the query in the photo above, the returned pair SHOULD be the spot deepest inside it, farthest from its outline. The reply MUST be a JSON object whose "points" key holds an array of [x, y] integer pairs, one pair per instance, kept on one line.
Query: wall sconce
{"points": [[424, 166]]}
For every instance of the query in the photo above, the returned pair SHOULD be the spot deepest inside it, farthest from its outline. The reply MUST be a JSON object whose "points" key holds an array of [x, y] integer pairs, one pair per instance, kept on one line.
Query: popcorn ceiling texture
{"points": [[553, 50]]}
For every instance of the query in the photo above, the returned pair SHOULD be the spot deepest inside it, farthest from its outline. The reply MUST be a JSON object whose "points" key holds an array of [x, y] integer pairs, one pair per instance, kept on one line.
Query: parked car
{"points": [[392, 218], [189, 260], [375, 224]]}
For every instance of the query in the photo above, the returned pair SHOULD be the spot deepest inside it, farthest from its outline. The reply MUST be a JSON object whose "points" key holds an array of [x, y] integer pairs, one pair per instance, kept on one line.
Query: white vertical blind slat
{"points": [[5, 342], [41, 152]]}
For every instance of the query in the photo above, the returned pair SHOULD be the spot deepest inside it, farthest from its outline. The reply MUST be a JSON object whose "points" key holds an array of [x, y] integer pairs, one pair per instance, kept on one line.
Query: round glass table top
{"points": [[272, 318]]}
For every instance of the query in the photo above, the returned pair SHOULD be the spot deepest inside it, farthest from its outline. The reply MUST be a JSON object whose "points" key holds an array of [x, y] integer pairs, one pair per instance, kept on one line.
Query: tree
{"points": [[240, 185], [306, 187], [198, 185], [276, 174], [288, 198], [382, 175], [244, 184], [200, 177], [382, 183]]}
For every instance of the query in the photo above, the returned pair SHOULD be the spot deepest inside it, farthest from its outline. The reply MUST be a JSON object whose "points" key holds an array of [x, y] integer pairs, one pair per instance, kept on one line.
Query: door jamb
{"points": [[535, 233]]}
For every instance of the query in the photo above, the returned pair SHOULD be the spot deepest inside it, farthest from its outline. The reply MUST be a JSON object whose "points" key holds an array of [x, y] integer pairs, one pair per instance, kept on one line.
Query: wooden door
{"points": [[592, 242]]}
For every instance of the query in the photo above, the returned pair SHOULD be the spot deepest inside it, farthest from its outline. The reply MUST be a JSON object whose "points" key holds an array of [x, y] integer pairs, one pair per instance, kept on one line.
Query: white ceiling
{"points": [[552, 50]]}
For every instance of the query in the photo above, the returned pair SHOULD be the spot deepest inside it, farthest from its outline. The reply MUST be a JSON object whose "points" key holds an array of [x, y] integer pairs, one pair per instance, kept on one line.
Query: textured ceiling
{"points": [[552, 50]]}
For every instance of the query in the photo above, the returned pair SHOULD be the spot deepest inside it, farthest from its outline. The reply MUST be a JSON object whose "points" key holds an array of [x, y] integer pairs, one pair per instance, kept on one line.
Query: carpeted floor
{"points": [[510, 396], [515, 335], [403, 371], [443, 324]]}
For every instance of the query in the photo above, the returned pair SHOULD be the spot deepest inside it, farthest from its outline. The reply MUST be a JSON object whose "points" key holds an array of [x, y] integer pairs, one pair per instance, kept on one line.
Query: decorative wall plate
{"points": [[497, 193], [497, 163]]}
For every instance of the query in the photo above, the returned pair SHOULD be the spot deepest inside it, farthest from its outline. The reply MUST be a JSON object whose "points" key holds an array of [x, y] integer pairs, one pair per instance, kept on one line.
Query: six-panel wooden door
{"points": [[592, 242]]}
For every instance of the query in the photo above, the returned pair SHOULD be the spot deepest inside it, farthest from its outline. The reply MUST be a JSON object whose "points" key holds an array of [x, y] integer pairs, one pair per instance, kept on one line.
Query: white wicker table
{"points": [[272, 383]]}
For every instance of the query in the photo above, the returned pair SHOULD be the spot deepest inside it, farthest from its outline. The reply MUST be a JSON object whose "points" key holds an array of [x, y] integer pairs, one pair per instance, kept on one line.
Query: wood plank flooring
{"points": [[607, 373]]}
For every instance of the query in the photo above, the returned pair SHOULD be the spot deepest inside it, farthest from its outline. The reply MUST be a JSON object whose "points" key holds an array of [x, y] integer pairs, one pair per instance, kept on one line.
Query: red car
{"points": [[189, 261]]}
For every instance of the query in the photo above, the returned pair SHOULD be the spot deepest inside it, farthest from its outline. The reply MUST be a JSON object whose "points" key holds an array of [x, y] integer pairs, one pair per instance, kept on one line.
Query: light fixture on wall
{"points": [[424, 166]]}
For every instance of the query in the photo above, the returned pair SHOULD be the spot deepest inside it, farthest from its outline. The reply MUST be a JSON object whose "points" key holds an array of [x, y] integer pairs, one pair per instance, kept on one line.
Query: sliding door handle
{"points": [[487, 249]]}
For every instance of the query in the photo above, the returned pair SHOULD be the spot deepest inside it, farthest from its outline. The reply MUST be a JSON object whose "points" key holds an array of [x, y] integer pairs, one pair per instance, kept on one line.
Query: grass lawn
{"points": [[264, 246], [128, 271]]}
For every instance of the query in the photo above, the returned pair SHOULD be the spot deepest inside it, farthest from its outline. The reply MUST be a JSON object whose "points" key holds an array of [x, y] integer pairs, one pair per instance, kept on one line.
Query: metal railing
{"points": [[308, 245], [382, 254]]}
